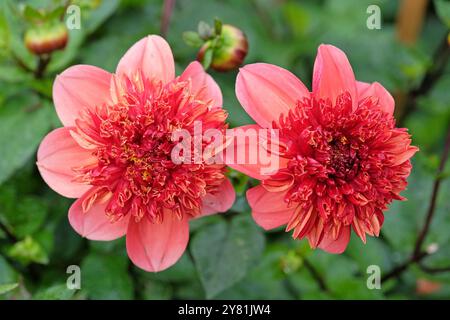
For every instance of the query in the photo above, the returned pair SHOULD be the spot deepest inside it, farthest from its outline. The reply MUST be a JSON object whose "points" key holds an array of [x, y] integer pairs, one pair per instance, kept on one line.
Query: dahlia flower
{"points": [[342, 161], [114, 152]]}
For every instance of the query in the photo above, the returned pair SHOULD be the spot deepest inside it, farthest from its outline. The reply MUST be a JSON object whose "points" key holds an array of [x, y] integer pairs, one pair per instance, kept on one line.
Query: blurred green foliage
{"points": [[228, 256]]}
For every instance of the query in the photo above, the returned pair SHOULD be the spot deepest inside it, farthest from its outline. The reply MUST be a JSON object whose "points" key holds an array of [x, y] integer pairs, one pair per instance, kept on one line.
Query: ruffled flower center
{"points": [[131, 138], [341, 166]]}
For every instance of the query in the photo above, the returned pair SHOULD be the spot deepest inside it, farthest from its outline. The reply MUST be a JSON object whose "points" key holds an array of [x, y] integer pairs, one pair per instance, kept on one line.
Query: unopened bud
{"points": [[46, 38], [229, 51]]}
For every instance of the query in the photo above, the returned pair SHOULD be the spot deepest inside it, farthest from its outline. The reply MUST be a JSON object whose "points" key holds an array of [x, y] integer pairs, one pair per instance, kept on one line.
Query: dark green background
{"points": [[228, 255]]}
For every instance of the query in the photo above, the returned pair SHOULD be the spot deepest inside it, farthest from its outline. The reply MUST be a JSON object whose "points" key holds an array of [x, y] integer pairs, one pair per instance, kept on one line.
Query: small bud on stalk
{"points": [[230, 51], [44, 39], [222, 47]]}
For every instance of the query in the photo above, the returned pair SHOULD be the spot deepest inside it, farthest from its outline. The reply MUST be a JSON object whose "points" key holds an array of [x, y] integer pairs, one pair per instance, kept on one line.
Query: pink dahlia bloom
{"points": [[341, 159], [114, 152]]}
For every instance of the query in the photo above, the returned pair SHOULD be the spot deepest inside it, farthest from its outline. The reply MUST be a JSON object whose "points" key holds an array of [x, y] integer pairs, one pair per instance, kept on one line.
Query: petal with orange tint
{"points": [[94, 224], [246, 154], [203, 86], [377, 91], [404, 156], [266, 91], [221, 201], [56, 156], [155, 247], [333, 75], [268, 208], [339, 245], [152, 56], [398, 147], [77, 88]]}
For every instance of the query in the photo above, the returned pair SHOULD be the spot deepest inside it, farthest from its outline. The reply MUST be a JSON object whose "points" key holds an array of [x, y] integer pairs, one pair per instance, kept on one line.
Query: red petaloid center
{"points": [[340, 167], [131, 138], [342, 159]]}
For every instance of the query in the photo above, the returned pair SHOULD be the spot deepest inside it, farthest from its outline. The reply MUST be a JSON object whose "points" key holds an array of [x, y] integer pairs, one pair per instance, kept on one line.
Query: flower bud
{"points": [[229, 51], [46, 38]]}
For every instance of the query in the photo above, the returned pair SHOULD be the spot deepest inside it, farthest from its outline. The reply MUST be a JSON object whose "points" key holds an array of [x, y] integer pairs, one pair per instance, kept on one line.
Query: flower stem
{"points": [[316, 276], [166, 15], [440, 58], [43, 62], [418, 254], [431, 209], [12, 238]]}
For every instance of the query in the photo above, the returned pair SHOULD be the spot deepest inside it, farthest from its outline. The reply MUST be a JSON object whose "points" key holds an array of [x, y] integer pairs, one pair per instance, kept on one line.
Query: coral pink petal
{"points": [[203, 85], [155, 247], [80, 87], [56, 156], [404, 156], [376, 91], [94, 224], [220, 201], [267, 91], [152, 56], [268, 208], [247, 156], [336, 246], [361, 87], [333, 75]]}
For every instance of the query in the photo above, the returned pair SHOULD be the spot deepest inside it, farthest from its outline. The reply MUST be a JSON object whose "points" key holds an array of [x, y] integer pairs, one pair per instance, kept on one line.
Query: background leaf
{"points": [[224, 252], [24, 121], [106, 277]]}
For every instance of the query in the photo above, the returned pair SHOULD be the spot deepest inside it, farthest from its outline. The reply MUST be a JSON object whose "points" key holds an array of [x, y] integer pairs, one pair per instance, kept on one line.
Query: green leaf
{"points": [[154, 290], [56, 292], [443, 11], [404, 218], [24, 121], [224, 253], [7, 273], [56, 13], [207, 58], [27, 216], [4, 34], [89, 23], [120, 33], [106, 277], [198, 224], [182, 271], [4, 288], [266, 281], [340, 274], [14, 74], [192, 39], [239, 180], [375, 253], [42, 86], [27, 251], [217, 26], [32, 15], [64, 233], [16, 28], [117, 246]]}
